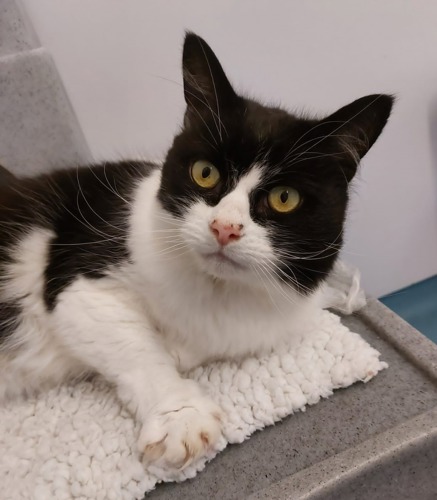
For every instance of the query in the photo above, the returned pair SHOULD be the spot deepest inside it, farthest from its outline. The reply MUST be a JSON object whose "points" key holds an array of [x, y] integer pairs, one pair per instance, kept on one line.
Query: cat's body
{"points": [[138, 271], [61, 241]]}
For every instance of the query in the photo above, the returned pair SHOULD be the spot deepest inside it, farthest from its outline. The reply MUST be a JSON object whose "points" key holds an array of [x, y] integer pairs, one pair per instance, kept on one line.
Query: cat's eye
{"points": [[284, 199], [205, 174]]}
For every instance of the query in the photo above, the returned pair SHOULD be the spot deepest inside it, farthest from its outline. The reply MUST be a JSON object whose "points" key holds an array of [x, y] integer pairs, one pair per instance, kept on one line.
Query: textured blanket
{"points": [[78, 442]]}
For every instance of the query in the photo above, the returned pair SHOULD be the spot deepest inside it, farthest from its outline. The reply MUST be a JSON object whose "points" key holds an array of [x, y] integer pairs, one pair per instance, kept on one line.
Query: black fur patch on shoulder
{"points": [[91, 227], [87, 210]]}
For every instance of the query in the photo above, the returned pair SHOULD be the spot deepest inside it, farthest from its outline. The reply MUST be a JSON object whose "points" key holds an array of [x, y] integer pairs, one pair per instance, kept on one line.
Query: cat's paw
{"points": [[174, 438]]}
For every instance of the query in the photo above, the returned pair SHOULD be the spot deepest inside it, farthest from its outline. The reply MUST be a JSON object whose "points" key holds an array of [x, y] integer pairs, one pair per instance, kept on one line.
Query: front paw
{"points": [[173, 438]]}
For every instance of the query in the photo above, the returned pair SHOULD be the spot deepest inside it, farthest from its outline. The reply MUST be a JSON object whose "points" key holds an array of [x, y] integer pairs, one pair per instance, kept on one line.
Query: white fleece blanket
{"points": [[77, 441]]}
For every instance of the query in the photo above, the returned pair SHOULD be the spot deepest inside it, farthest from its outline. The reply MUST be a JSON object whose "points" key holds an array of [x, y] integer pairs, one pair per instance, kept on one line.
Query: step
{"points": [[16, 31], [417, 304], [39, 130]]}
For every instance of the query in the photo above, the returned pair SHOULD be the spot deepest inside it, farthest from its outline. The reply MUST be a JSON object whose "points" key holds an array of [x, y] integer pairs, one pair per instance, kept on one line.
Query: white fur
{"points": [[34, 358], [182, 301]]}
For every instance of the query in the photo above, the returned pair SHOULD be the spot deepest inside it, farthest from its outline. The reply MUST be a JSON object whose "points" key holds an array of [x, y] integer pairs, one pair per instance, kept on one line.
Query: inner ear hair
{"points": [[357, 126], [206, 86]]}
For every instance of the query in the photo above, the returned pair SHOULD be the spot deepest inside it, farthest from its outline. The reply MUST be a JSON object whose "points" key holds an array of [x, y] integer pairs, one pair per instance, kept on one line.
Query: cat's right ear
{"points": [[354, 128], [206, 87]]}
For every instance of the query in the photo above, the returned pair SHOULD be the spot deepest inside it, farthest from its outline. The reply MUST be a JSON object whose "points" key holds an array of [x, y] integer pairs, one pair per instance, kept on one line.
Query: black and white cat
{"points": [[139, 271]]}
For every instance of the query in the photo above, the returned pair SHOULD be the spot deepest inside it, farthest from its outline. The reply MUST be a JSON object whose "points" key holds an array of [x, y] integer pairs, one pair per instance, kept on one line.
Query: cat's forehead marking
{"points": [[251, 179], [234, 207]]}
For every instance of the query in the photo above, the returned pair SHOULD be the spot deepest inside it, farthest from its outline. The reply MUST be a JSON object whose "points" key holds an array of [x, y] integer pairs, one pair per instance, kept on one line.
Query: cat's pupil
{"points": [[206, 172], [284, 196]]}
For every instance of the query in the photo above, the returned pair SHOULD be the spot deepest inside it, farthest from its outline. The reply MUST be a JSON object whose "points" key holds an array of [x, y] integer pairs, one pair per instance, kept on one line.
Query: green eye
{"points": [[204, 174], [284, 199]]}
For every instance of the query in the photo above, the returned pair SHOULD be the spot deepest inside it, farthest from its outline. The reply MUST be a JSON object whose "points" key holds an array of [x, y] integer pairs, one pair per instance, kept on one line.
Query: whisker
{"points": [[347, 121], [266, 287]]}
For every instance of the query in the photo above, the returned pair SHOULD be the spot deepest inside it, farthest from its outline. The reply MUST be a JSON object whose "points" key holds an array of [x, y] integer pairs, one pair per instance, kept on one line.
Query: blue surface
{"points": [[417, 304]]}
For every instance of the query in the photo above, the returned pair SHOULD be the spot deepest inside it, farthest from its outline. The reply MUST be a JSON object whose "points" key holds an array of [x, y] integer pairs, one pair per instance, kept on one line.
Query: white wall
{"points": [[120, 62]]}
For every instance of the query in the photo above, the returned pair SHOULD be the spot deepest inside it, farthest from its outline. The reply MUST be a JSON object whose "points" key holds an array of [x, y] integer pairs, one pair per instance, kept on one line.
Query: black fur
{"points": [[9, 314], [317, 157], [5, 176], [85, 208]]}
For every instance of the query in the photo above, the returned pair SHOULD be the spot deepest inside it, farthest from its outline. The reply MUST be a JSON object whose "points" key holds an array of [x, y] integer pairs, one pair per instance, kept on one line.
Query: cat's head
{"points": [[258, 193]]}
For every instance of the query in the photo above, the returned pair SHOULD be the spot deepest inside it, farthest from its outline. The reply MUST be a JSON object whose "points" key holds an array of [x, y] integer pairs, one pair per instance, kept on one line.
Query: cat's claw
{"points": [[175, 438]]}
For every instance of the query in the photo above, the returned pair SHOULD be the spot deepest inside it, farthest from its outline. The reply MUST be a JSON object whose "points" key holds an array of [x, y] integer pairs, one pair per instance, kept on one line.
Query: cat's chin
{"points": [[219, 265]]}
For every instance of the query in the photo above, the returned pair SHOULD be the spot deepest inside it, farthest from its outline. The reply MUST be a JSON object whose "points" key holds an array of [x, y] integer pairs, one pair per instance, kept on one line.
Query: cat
{"points": [[138, 271]]}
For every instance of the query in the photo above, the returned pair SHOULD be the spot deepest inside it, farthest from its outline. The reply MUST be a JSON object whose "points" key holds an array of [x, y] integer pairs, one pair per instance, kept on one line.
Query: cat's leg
{"points": [[103, 325]]}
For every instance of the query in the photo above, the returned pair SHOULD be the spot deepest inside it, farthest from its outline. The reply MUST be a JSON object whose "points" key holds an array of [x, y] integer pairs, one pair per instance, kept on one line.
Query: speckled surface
{"points": [[416, 347], [338, 424], [16, 32], [38, 128], [400, 463]]}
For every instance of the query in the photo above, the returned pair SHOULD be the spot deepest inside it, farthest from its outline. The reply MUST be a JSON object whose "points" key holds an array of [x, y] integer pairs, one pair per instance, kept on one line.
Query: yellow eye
{"points": [[204, 174], [284, 199]]}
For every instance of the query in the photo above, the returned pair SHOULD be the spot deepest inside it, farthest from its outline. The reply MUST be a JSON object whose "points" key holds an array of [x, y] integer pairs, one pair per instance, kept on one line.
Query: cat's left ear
{"points": [[206, 87], [355, 127]]}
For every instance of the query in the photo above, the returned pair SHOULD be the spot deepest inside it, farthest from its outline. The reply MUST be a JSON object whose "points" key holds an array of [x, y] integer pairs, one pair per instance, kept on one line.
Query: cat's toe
{"points": [[175, 438]]}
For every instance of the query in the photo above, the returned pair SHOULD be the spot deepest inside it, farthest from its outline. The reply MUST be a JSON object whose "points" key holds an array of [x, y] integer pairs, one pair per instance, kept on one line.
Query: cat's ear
{"points": [[206, 87], [355, 127]]}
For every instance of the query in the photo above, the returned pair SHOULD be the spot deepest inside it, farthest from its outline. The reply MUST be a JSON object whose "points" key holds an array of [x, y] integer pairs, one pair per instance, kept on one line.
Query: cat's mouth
{"points": [[219, 257]]}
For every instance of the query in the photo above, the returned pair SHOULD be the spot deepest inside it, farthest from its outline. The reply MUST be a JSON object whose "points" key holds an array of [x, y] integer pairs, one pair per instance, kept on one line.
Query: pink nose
{"points": [[225, 233]]}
